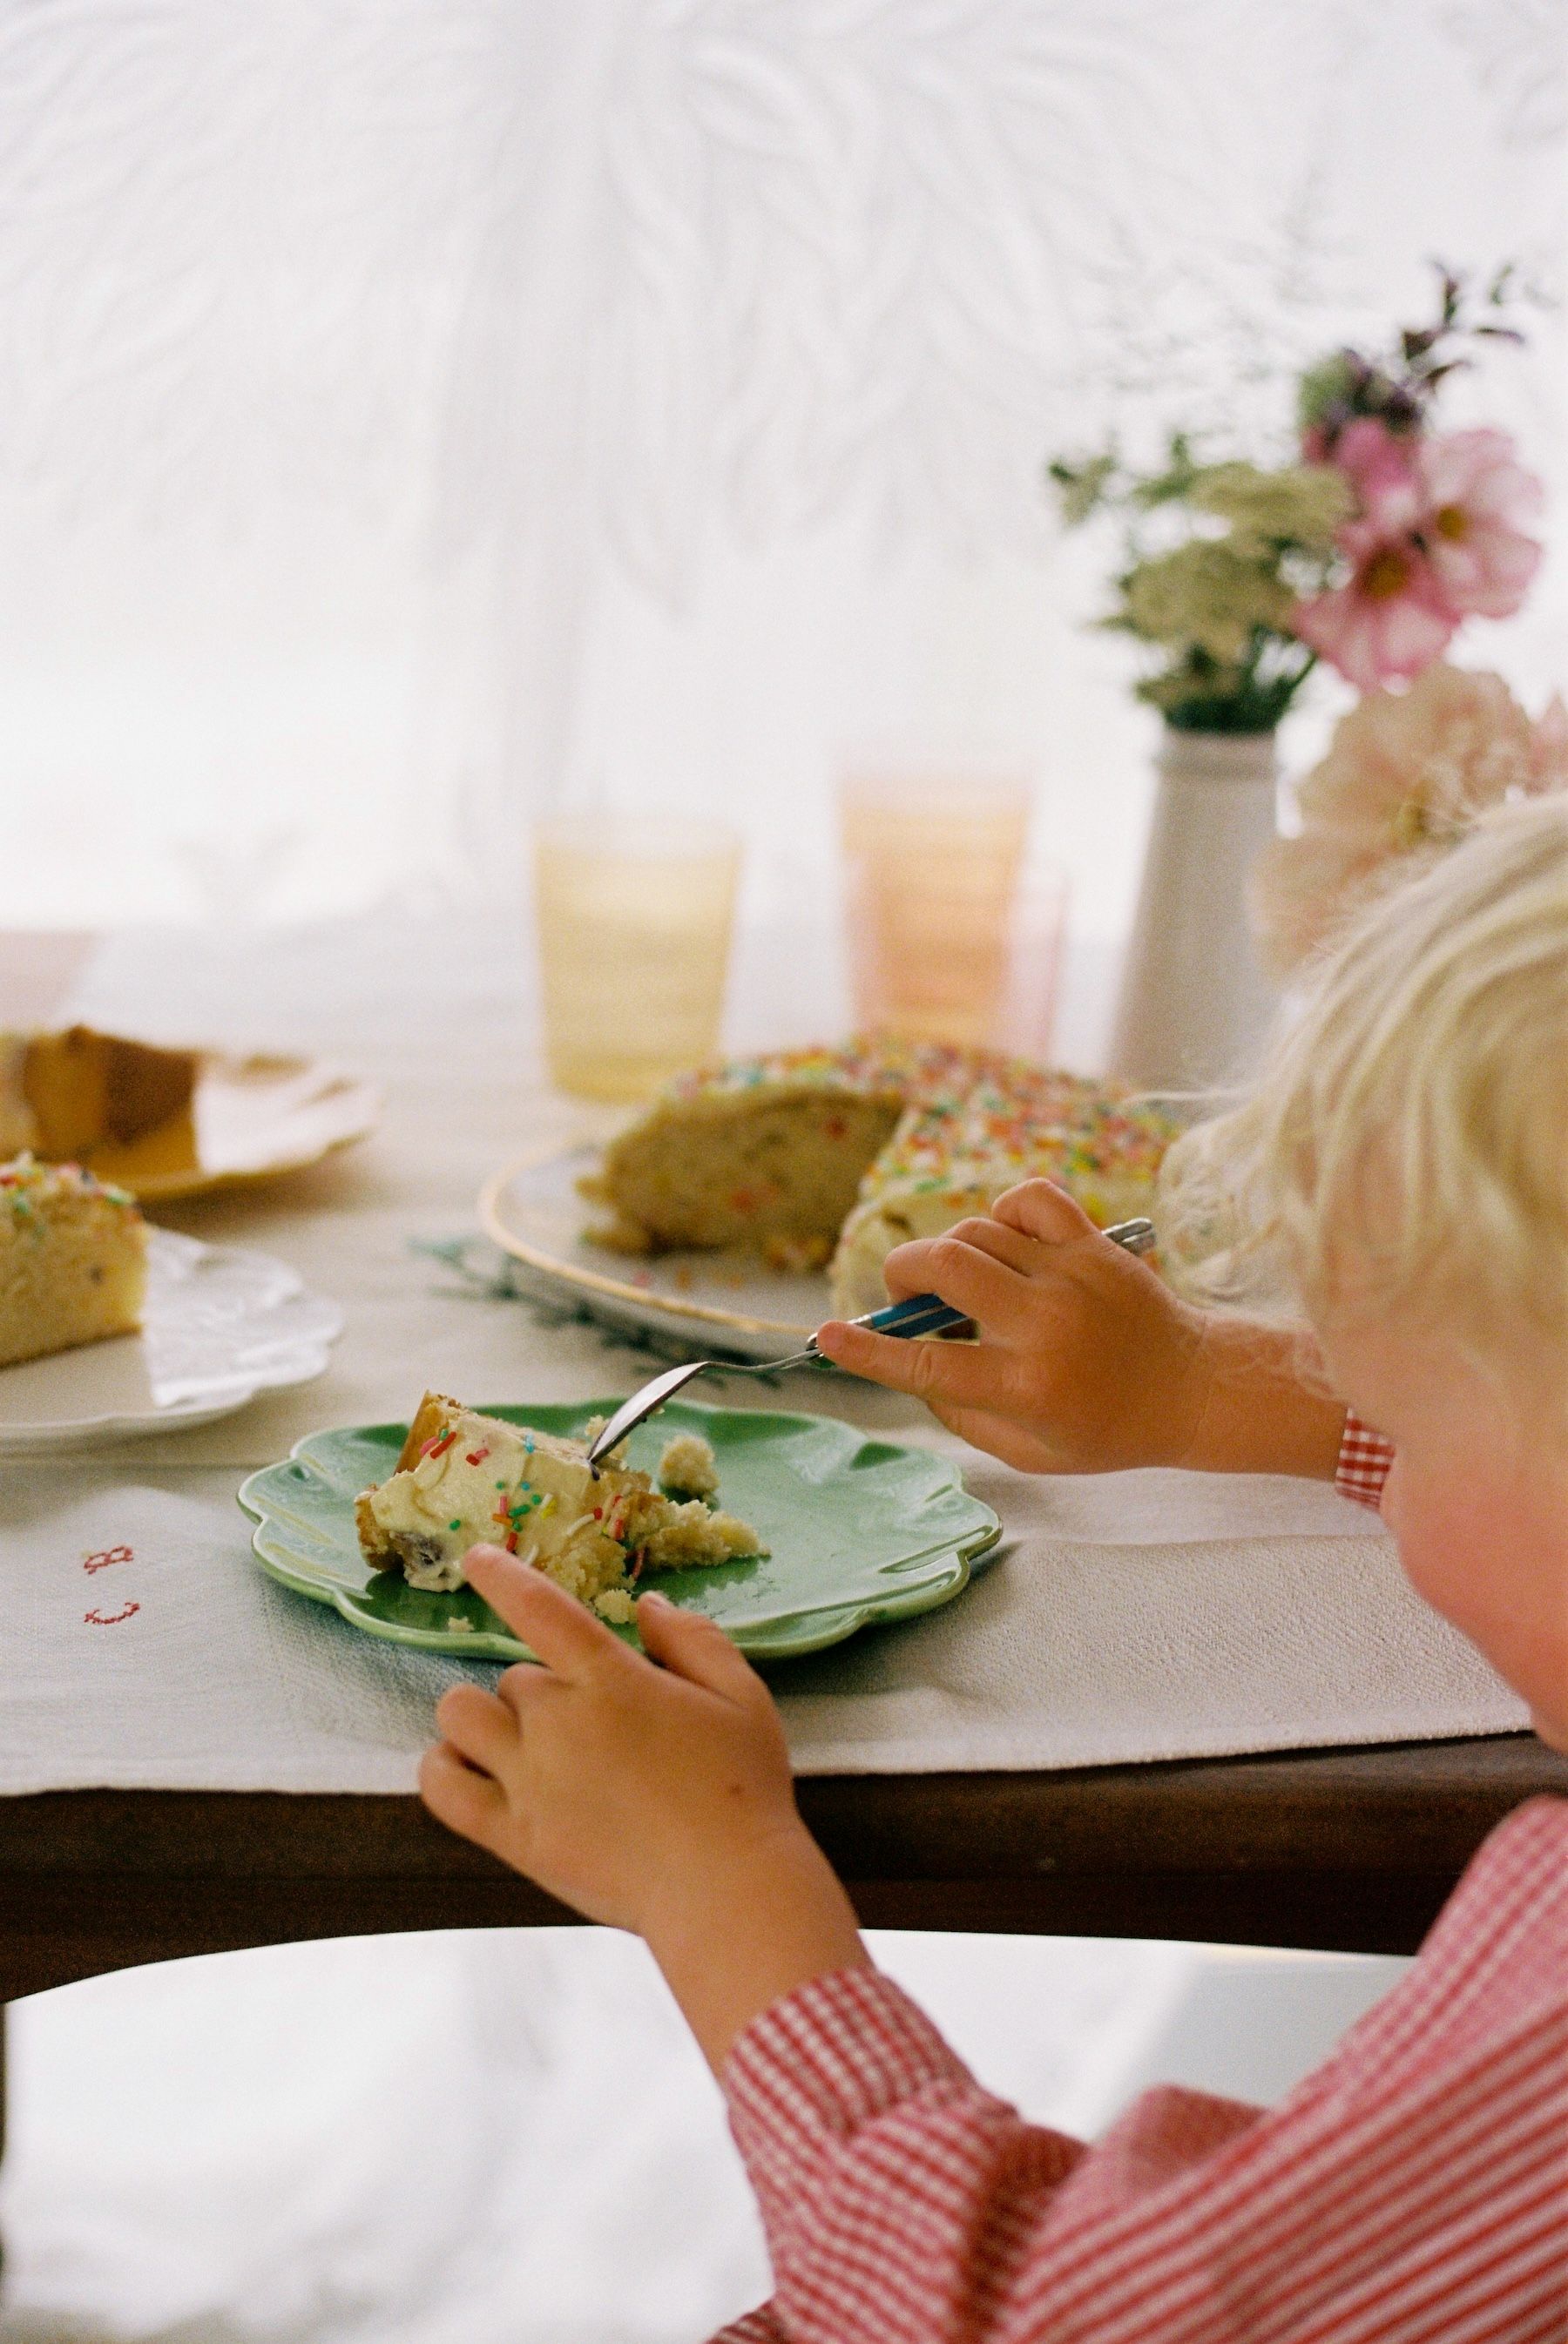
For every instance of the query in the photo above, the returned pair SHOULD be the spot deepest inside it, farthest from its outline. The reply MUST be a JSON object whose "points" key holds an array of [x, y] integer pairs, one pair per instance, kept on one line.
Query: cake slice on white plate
{"points": [[73, 1259]]}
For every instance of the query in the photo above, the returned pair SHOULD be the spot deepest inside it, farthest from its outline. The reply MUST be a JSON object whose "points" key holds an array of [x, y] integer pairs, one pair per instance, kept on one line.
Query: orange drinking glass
{"points": [[946, 942]]}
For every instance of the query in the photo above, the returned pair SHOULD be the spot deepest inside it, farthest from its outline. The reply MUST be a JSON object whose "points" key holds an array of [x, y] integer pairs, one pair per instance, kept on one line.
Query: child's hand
{"points": [[657, 1799], [1087, 1361], [600, 1775]]}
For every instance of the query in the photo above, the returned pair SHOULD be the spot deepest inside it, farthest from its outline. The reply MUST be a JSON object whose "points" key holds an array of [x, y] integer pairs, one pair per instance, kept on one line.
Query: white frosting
{"points": [[496, 1484], [919, 1208], [493, 1483]]}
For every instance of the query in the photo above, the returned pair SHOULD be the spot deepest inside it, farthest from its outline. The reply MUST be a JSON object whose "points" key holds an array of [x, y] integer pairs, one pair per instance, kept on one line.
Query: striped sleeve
{"points": [[1413, 2191], [1364, 1460]]}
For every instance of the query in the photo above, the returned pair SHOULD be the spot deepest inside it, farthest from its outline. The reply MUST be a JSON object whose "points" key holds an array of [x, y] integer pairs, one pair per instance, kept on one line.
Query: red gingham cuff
{"points": [[825, 2059], [1364, 1460]]}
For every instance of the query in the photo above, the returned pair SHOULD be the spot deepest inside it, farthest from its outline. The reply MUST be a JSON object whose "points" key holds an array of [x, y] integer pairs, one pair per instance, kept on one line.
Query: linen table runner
{"points": [[143, 1647]]}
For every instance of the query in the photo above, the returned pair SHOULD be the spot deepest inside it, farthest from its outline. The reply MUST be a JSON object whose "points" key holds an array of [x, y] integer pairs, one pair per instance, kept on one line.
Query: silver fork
{"points": [[917, 1314]]}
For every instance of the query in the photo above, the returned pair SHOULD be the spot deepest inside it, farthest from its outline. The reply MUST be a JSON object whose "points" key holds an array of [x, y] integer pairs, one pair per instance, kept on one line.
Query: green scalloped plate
{"points": [[860, 1531]]}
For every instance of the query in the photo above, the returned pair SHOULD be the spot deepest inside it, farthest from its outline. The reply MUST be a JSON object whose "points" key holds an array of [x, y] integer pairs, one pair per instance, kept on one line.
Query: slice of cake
{"points": [[73, 1260], [80, 1094], [809, 1155], [463, 1479]]}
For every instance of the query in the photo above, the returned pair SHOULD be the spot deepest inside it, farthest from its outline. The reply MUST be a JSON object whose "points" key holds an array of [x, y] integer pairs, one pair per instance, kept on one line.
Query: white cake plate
{"points": [[708, 1303], [220, 1325]]}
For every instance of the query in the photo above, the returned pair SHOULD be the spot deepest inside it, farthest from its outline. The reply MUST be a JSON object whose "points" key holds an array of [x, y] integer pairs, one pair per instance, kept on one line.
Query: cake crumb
{"points": [[615, 1605], [688, 1468], [696, 1534], [456, 1621]]}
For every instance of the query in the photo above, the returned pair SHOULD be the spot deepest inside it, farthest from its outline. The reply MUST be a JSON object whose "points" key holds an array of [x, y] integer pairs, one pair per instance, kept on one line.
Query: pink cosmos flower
{"points": [[1476, 495], [1394, 616]]}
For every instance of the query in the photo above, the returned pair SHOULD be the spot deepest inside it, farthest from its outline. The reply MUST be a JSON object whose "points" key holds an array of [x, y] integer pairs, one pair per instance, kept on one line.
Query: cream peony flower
{"points": [[1406, 775]]}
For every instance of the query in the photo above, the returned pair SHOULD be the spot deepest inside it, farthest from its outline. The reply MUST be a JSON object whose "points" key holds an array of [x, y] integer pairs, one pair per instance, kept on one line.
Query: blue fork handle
{"points": [[917, 1314]]}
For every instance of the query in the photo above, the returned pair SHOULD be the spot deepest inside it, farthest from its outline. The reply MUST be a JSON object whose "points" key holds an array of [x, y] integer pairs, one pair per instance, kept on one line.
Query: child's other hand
{"points": [[656, 1799], [598, 1774], [1087, 1361]]}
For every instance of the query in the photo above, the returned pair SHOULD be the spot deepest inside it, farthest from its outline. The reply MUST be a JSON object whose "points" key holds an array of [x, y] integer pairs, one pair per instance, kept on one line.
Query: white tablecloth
{"points": [[1128, 1617]]}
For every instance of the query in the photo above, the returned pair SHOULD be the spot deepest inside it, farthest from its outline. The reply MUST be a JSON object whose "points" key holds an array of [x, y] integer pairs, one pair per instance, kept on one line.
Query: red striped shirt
{"points": [[1364, 1460], [1413, 2190]]}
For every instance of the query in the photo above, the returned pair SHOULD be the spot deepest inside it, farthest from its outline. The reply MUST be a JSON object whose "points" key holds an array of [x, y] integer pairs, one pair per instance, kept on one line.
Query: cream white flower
{"points": [[1204, 596], [1407, 774], [1300, 505]]}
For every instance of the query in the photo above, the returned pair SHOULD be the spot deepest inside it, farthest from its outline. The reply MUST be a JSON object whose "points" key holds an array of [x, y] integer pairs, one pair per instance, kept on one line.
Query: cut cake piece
{"points": [[65, 1095], [688, 1468], [463, 1479], [73, 1260], [772, 1165]]}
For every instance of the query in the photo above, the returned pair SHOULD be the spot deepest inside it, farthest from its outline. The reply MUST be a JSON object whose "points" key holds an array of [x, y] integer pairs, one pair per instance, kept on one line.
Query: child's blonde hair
{"points": [[1406, 1150]]}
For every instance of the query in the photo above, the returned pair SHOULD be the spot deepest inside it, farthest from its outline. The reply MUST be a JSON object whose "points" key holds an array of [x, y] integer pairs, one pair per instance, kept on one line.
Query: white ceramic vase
{"points": [[1195, 1002]]}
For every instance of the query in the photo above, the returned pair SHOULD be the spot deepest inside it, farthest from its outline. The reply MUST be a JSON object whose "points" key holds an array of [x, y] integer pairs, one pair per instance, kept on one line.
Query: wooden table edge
{"points": [[1351, 1849]]}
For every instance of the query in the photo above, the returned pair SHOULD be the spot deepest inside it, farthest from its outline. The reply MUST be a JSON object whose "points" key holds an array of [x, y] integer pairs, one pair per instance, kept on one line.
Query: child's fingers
{"points": [[694, 1647], [960, 1375], [970, 1279], [562, 1631], [468, 1803], [911, 1269], [479, 1725], [1044, 1211]]}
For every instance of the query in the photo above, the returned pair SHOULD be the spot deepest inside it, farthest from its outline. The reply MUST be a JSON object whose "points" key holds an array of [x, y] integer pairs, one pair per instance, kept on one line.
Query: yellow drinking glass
{"points": [[934, 868], [634, 918]]}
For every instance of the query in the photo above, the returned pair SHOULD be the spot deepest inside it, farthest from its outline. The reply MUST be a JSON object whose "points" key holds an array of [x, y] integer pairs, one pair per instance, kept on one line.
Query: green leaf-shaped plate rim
{"points": [[860, 1531]]}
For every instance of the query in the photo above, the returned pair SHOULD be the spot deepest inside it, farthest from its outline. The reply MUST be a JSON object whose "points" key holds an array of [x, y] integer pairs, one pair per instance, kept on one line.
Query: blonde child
{"points": [[1404, 1171]]}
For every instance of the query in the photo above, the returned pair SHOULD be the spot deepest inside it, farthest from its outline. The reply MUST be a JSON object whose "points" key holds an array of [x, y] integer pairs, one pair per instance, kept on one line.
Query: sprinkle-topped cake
{"points": [[73, 1259], [947, 1162], [811, 1155], [463, 1479]]}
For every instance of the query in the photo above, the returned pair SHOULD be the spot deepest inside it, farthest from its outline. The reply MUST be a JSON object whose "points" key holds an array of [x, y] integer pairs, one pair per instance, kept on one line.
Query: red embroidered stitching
{"points": [[97, 1619], [105, 1555]]}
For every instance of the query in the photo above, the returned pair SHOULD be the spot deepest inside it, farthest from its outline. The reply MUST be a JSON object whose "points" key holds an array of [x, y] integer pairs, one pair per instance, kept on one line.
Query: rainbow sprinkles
{"points": [[463, 1479], [837, 1155]]}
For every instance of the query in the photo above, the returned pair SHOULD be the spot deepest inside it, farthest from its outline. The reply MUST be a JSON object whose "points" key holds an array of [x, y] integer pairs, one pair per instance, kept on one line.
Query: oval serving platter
{"points": [[860, 1530], [713, 1303]]}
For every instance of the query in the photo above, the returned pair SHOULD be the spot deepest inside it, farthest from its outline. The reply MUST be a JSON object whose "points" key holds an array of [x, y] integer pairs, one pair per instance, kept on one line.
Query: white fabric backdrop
{"points": [[415, 409]]}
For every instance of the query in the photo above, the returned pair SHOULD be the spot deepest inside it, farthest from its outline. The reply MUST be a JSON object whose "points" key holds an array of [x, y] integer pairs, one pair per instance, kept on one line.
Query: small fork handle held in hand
{"points": [[917, 1314]]}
